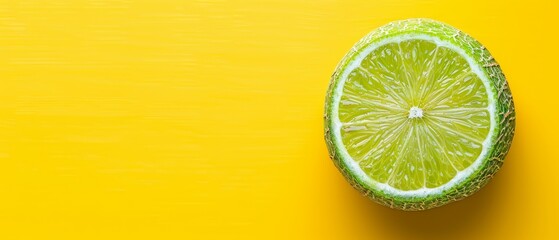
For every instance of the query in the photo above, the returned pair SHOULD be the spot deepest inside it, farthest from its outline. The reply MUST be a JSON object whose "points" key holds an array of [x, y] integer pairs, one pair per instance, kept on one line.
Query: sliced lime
{"points": [[418, 114]]}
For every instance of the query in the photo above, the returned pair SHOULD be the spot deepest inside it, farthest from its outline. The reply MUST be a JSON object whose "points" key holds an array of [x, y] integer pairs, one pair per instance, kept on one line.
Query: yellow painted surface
{"points": [[202, 119]]}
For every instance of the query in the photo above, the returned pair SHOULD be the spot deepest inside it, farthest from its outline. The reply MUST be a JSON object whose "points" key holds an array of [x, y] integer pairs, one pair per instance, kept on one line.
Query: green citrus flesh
{"points": [[414, 114], [418, 114]]}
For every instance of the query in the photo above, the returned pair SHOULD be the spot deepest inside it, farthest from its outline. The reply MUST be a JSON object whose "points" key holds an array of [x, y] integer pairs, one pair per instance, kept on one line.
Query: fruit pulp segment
{"points": [[429, 146]]}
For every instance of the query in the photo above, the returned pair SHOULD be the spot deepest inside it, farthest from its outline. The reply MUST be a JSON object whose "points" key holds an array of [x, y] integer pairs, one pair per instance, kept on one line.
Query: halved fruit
{"points": [[418, 114]]}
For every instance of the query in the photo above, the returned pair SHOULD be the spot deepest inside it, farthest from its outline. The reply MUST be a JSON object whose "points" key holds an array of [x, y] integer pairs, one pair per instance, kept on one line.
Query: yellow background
{"points": [[202, 119]]}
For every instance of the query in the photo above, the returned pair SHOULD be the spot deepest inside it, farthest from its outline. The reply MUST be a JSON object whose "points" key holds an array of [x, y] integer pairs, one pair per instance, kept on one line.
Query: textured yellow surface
{"points": [[203, 119]]}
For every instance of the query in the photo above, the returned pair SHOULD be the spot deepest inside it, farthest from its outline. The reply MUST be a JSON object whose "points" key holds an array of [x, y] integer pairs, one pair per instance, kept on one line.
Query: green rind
{"points": [[505, 114]]}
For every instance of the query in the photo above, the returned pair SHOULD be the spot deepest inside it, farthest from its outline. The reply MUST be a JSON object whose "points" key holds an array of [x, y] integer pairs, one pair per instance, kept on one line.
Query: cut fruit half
{"points": [[418, 114]]}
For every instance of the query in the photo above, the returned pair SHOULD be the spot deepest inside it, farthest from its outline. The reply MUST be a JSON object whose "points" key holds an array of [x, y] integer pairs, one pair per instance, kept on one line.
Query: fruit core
{"points": [[415, 112]]}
